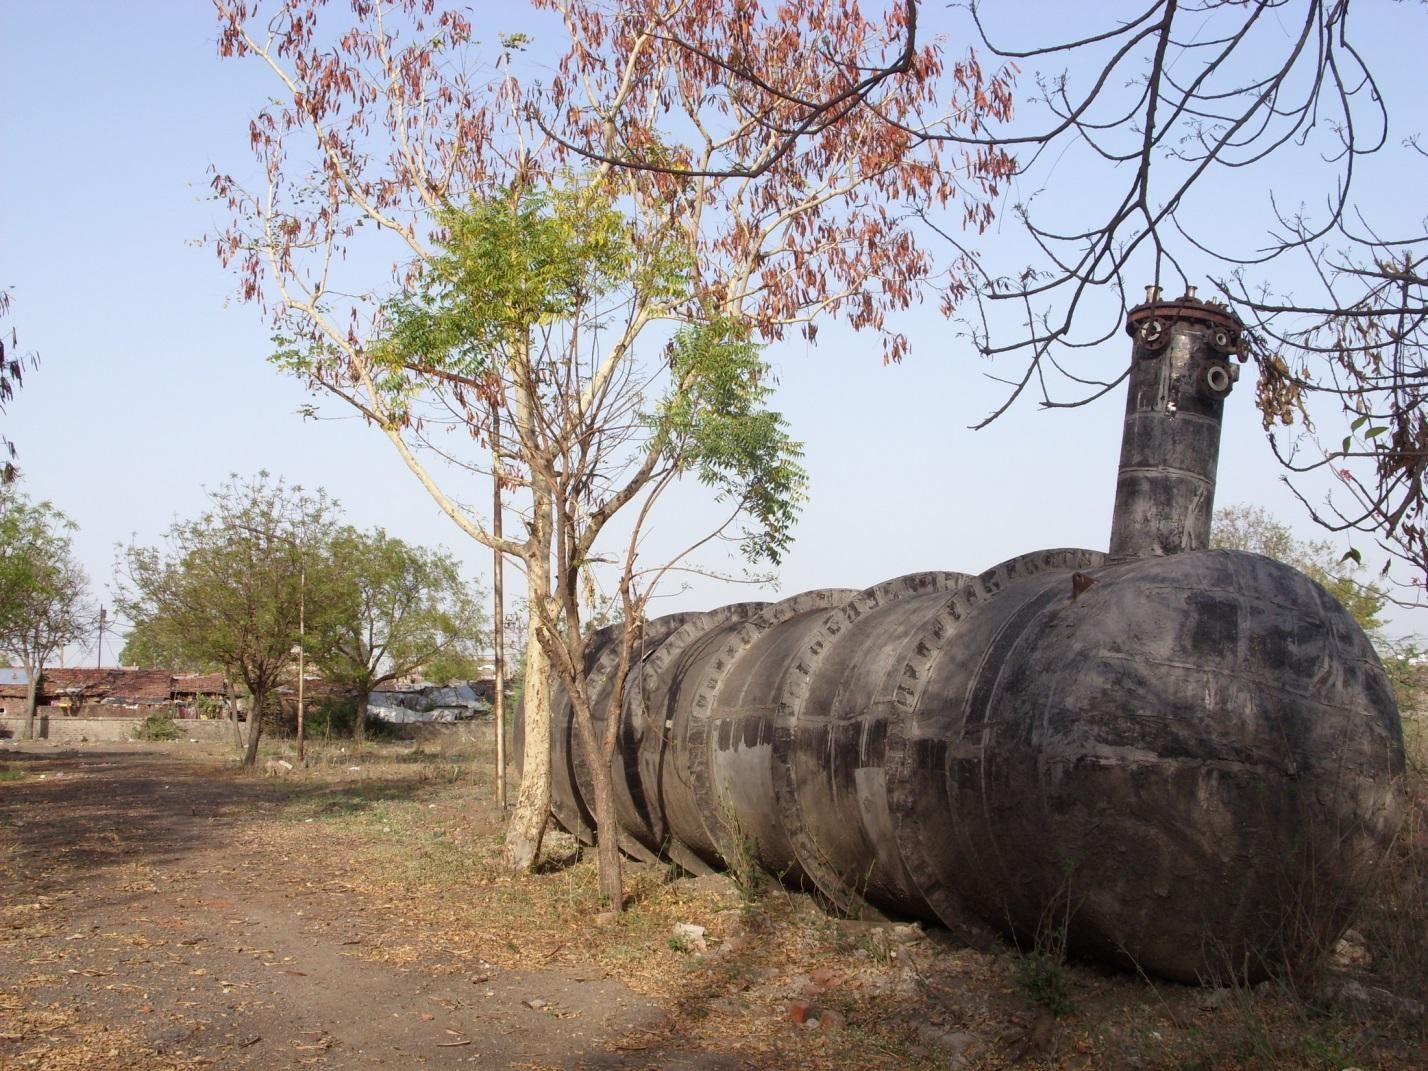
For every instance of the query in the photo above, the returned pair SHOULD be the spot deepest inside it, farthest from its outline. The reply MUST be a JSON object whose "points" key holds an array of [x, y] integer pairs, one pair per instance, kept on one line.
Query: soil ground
{"points": [[138, 921], [161, 909]]}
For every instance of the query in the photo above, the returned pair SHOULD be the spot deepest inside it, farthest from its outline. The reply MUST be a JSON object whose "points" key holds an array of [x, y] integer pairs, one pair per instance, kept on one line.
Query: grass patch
{"points": [[410, 844], [1394, 919]]}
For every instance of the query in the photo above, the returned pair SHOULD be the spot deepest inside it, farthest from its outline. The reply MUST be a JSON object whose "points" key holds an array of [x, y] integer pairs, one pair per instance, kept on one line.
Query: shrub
{"points": [[157, 727], [741, 855], [1042, 979], [1394, 920], [331, 716]]}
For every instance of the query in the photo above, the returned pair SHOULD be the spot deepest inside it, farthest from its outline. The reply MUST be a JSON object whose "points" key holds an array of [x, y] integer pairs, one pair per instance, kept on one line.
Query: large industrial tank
{"points": [[1182, 760]]}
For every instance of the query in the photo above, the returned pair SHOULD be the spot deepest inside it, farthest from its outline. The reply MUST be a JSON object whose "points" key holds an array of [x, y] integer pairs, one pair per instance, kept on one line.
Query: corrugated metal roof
{"points": [[13, 677]]}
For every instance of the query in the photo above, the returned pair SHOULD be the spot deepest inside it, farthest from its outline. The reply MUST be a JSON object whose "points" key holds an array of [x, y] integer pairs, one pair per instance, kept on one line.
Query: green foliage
{"points": [[266, 566], [151, 644], [332, 716], [229, 586], [533, 259], [44, 603], [210, 706], [458, 661], [1252, 528], [390, 610], [1042, 980], [522, 259], [1403, 661], [713, 422], [740, 851], [157, 727]]}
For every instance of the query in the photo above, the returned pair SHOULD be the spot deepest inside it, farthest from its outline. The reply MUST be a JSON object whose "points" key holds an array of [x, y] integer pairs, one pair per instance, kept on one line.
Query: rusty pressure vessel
{"points": [[1179, 759]]}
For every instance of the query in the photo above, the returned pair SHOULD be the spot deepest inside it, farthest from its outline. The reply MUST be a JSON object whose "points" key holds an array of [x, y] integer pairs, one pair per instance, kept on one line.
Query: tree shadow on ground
{"points": [[73, 814]]}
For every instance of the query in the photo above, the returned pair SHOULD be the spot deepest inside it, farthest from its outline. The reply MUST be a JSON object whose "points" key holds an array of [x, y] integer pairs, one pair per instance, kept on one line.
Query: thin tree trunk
{"points": [[607, 843], [607, 826], [359, 723], [255, 726], [532, 810], [232, 702], [528, 820], [32, 696]]}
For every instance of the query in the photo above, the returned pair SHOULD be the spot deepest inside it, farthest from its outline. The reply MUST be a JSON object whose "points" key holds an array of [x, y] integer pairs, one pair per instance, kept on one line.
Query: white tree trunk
{"points": [[532, 810], [32, 695]]}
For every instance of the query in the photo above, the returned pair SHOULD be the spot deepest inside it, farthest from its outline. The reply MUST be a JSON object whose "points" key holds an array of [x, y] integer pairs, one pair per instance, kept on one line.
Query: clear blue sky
{"points": [[153, 383]]}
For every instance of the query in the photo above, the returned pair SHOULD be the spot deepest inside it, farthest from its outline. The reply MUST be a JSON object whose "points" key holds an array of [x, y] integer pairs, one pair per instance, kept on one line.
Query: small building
{"points": [[200, 695], [109, 692]]}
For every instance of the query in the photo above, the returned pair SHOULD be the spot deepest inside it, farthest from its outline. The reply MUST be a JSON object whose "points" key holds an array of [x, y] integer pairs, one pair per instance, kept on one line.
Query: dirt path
{"points": [[133, 935], [159, 911]]}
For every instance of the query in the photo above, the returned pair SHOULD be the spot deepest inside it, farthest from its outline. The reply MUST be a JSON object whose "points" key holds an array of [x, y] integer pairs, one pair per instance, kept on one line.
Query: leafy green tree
{"points": [[452, 665], [509, 305], [227, 588], [154, 644], [157, 643], [388, 610], [385, 134], [44, 603], [1252, 528]]}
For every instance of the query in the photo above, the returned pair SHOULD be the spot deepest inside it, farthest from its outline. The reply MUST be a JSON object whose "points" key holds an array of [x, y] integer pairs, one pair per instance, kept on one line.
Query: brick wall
{"points": [[108, 729]]}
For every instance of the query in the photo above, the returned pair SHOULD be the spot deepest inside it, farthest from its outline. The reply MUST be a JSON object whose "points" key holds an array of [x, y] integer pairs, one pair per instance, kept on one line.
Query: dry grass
{"points": [[405, 833], [403, 844], [56, 1039], [1394, 921]]}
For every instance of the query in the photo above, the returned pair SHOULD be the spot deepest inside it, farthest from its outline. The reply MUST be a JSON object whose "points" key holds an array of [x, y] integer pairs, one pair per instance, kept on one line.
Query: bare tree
{"points": [[1222, 95], [393, 132], [1173, 107], [12, 373]]}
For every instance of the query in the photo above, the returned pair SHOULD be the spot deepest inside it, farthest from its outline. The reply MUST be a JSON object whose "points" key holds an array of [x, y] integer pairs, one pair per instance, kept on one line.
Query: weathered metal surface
{"points": [[1179, 378], [1187, 759]]}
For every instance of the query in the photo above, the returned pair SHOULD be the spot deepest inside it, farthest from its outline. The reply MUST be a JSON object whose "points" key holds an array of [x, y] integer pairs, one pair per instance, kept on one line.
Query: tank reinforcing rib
{"points": [[1190, 759]]}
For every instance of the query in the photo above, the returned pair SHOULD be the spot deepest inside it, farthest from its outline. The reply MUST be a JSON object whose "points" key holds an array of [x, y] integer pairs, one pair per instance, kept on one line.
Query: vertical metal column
{"points": [[1170, 446]]}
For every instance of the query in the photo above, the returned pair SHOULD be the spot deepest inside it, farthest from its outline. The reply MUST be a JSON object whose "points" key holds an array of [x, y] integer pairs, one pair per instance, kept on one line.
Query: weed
{"points": [[11, 773], [741, 853], [156, 727], [1394, 918], [679, 944], [1041, 973], [879, 950], [1042, 980]]}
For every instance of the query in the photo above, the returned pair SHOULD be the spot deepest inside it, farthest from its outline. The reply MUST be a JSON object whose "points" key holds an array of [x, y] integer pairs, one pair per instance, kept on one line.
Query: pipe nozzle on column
{"points": [[1180, 376]]}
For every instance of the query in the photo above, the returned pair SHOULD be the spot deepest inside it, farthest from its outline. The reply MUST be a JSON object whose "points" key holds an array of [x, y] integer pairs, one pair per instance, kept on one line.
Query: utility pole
{"points": [[498, 633], [302, 646], [99, 658]]}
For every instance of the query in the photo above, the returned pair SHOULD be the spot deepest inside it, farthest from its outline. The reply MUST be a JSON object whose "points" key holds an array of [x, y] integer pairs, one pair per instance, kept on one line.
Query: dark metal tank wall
{"points": [[1179, 377], [1190, 756]]}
